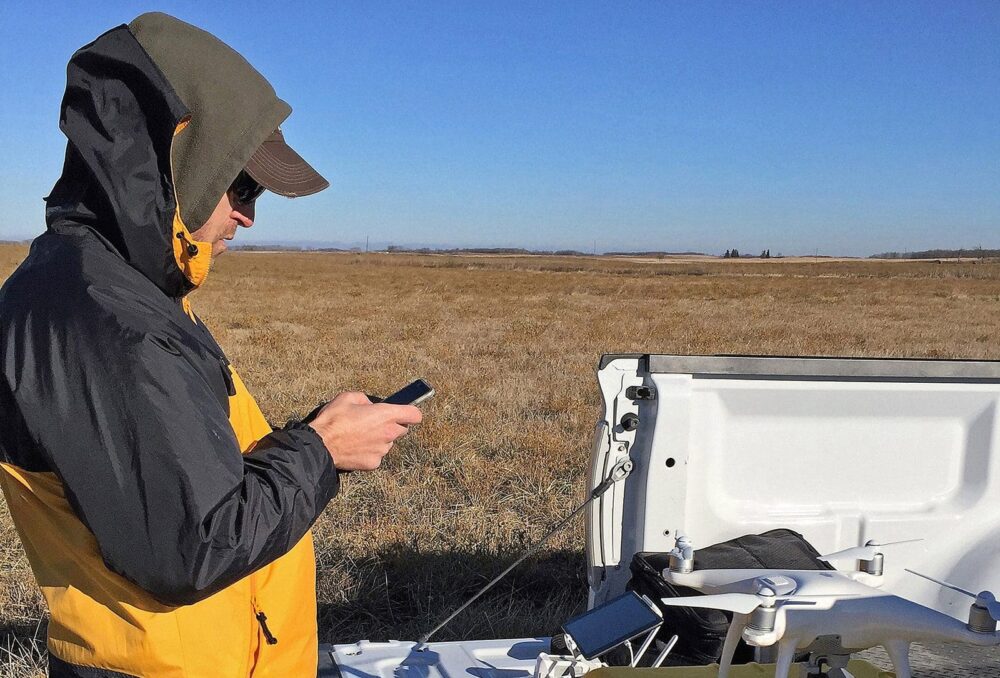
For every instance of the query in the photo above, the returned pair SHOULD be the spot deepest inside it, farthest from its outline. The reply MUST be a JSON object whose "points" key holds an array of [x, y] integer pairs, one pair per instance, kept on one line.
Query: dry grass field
{"points": [[511, 344]]}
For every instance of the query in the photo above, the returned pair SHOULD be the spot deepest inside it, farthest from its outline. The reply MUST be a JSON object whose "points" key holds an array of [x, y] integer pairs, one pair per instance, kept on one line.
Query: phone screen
{"points": [[413, 393], [611, 624]]}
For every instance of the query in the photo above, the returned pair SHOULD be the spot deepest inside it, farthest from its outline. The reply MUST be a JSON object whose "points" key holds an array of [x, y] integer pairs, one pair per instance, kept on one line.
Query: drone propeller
{"points": [[984, 599], [740, 603], [866, 552], [941, 583], [745, 603]]}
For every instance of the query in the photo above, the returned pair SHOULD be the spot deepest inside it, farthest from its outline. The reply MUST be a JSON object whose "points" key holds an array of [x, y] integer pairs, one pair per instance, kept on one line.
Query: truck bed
{"points": [[937, 661]]}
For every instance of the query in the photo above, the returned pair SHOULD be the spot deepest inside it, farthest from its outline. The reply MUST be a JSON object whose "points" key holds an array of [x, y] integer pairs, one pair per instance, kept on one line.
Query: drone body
{"points": [[829, 612], [859, 623]]}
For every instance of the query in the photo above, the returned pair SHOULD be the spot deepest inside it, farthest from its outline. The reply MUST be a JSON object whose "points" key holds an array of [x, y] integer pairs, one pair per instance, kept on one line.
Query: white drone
{"points": [[829, 614]]}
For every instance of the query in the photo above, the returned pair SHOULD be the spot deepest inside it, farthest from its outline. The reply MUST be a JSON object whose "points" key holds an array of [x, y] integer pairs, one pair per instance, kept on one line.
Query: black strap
{"points": [[60, 669]]}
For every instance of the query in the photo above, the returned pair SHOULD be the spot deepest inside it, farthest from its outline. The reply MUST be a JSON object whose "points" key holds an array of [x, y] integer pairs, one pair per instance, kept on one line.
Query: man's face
{"points": [[222, 225]]}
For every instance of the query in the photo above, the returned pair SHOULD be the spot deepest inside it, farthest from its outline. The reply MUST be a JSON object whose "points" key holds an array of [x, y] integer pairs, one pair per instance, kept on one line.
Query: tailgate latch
{"points": [[640, 393]]}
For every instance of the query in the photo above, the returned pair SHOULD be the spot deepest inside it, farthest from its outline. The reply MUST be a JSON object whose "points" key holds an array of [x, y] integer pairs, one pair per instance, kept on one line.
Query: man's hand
{"points": [[358, 433]]}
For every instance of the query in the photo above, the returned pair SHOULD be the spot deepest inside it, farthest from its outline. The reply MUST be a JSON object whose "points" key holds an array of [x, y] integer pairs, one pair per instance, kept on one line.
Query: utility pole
{"points": [[366, 244]]}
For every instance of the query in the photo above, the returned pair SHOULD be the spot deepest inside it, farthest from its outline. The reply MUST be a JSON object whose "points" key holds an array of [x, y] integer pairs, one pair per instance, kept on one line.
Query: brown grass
{"points": [[511, 344]]}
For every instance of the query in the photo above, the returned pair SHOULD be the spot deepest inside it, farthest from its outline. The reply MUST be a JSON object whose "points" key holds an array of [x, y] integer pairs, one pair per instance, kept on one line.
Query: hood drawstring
{"points": [[191, 248], [193, 257]]}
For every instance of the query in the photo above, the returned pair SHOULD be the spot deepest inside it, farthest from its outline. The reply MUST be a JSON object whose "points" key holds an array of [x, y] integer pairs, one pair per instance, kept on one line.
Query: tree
{"points": [[726, 255]]}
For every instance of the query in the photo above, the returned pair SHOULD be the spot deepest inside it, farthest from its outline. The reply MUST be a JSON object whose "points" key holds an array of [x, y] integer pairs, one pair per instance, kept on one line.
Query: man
{"points": [[166, 523]]}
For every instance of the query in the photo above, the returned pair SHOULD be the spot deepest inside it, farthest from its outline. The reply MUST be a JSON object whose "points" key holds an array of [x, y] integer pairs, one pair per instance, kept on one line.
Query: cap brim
{"points": [[279, 169]]}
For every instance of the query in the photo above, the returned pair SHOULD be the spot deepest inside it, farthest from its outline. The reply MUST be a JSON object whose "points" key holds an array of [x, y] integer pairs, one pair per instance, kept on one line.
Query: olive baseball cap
{"points": [[279, 169]]}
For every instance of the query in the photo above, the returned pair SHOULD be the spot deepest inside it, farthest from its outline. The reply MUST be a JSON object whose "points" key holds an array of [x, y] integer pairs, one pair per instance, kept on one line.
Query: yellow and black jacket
{"points": [[166, 523]]}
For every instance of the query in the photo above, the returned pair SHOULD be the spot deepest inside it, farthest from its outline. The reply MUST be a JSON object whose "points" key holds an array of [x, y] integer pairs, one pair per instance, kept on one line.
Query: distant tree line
{"points": [[735, 254], [974, 253], [527, 252], [482, 250], [655, 253], [251, 247]]}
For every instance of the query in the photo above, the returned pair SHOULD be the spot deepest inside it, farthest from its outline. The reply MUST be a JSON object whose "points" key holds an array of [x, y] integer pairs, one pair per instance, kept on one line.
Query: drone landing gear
{"points": [[786, 656], [899, 654], [732, 641]]}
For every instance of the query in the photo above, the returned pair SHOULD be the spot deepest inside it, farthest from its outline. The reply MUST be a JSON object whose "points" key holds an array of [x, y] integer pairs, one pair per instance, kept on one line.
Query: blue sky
{"points": [[837, 127]]}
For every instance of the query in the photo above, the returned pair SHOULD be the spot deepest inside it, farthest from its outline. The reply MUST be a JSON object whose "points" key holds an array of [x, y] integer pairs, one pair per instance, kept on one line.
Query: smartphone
{"points": [[609, 625], [414, 393]]}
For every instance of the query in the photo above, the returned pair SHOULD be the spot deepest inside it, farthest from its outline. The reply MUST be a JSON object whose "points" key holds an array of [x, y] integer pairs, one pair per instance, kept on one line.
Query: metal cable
{"points": [[619, 472]]}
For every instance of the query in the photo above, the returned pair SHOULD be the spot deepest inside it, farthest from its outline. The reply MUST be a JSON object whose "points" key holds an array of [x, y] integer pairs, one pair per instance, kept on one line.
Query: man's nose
{"points": [[244, 214]]}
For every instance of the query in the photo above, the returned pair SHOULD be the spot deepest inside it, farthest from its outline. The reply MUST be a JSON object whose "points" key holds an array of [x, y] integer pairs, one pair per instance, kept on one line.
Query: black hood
{"points": [[154, 139]]}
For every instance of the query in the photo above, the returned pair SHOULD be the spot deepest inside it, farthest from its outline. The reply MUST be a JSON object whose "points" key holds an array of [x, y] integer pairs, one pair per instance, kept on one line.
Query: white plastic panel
{"points": [[466, 659], [612, 444], [882, 448], [841, 461]]}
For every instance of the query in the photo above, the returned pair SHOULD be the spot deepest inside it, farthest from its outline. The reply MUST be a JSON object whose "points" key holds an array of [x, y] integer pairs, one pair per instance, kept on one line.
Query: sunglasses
{"points": [[245, 188]]}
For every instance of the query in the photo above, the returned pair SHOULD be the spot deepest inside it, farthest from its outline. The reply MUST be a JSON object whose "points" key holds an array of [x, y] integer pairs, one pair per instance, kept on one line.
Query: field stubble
{"points": [[511, 344]]}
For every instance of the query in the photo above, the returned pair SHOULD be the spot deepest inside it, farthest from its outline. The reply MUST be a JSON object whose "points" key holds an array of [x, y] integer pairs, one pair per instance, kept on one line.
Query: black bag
{"points": [[702, 632]]}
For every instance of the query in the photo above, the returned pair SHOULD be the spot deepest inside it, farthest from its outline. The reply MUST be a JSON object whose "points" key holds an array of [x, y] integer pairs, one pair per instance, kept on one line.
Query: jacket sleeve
{"points": [[151, 465]]}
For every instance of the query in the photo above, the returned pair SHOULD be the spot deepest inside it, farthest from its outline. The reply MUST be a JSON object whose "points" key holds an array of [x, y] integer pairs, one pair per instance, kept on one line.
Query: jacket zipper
{"points": [[227, 377]]}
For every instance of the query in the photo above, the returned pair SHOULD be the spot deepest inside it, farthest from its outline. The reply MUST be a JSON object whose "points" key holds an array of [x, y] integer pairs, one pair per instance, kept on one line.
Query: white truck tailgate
{"points": [[840, 450]]}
